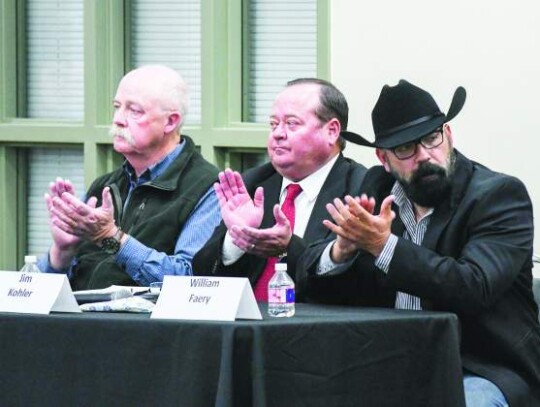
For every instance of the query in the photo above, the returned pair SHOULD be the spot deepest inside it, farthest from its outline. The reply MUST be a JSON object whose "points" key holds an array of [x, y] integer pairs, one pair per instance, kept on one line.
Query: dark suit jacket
{"points": [[345, 178], [475, 260]]}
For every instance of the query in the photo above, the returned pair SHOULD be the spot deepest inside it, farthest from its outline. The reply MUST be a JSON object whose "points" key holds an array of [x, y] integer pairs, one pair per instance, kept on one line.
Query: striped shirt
{"points": [[414, 231]]}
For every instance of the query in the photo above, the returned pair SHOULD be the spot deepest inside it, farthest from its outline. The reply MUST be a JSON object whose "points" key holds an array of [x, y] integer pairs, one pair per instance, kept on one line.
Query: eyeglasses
{"points": [[430, 141]]}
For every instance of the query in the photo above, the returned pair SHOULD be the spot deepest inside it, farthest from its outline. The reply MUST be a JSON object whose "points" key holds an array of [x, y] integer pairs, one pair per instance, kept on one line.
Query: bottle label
{"points": [[281, 295]]}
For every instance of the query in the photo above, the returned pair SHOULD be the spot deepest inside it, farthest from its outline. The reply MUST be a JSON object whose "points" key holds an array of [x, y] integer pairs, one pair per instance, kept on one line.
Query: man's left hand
{"points": [[270, 242]]}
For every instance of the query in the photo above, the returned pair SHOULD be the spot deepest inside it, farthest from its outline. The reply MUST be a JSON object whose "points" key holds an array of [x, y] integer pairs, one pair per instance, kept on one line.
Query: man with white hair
{"points": [[148, 218]]}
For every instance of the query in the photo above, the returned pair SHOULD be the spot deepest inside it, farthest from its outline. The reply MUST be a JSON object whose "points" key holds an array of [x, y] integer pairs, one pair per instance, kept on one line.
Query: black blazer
{"points": [[344, 178], [475, 261]]}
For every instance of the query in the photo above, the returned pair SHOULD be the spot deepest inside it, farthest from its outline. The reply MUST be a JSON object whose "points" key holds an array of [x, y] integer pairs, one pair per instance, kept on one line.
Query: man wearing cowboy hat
{"points": [[434, 230]]}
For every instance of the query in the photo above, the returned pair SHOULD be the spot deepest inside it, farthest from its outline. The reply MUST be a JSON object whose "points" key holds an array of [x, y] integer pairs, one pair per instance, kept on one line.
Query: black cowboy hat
{"points": [[405, 113]]}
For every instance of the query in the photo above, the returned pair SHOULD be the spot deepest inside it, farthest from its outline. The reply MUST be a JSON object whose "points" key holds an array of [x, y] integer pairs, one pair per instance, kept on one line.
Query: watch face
{"points": [[110, 245]]}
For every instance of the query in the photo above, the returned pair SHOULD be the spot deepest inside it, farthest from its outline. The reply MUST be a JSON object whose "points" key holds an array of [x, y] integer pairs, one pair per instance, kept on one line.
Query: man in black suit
{"points": [[305, 148], [449, 235]]}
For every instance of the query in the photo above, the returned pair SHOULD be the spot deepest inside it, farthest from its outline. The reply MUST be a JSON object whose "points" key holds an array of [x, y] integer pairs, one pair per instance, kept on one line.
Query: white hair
{"points": [[171, 87]]}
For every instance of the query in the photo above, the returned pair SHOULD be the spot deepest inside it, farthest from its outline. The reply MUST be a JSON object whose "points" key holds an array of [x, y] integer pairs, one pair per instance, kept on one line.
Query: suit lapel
{"points": [[398, 228], [272, 189], [333, 187], [440, 218]]}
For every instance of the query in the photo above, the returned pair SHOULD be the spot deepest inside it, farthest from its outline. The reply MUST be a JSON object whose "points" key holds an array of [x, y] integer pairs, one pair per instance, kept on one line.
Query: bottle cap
{"points": [[281, 266], [30, 259]]}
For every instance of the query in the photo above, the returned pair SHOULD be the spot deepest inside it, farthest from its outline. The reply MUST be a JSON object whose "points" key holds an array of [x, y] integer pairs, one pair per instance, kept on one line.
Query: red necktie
{"points": [[261, 287]]}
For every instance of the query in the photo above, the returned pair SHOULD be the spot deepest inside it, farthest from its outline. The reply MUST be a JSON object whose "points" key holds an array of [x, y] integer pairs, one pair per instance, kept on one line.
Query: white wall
{"points": [[491, 47]]}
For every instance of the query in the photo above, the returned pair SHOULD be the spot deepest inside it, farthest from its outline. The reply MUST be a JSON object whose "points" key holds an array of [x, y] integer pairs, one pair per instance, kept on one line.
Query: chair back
{"points": [[536, 280]]}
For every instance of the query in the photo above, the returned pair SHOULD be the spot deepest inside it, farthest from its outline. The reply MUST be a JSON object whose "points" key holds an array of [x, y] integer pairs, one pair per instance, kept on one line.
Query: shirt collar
{"points": [[155, 170], [312, 184]]}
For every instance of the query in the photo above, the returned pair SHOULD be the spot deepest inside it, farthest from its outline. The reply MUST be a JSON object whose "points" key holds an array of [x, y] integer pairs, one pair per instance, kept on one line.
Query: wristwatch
{"points": [[111, 245]]}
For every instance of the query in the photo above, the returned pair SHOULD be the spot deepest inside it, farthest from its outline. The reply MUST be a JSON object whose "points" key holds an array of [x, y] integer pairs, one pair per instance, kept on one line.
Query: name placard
{"points": [[36, 293], [206, 298]]}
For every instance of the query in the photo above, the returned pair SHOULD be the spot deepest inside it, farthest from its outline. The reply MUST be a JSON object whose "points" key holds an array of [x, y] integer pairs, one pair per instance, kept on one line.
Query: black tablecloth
{"points": [[323, 356]]}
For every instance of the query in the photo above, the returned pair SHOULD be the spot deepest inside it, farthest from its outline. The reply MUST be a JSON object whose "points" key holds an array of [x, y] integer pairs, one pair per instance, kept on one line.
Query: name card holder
{"points": [[206, 298], [36, 293]]}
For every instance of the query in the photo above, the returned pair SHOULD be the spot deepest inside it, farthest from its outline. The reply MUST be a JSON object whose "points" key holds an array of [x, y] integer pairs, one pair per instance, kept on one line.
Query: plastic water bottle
{"points": [[30, 265], [281, 293]]}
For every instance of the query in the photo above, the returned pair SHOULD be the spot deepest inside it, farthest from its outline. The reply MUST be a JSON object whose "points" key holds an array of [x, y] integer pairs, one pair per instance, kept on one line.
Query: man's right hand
{"points": [[237, 207], [64, 244]]}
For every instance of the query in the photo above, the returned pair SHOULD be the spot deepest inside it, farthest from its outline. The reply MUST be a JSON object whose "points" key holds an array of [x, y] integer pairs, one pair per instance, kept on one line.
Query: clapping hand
{"points": [[270, 242], [62, 239], [237, 207], [357, 227], [74, 219]]}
